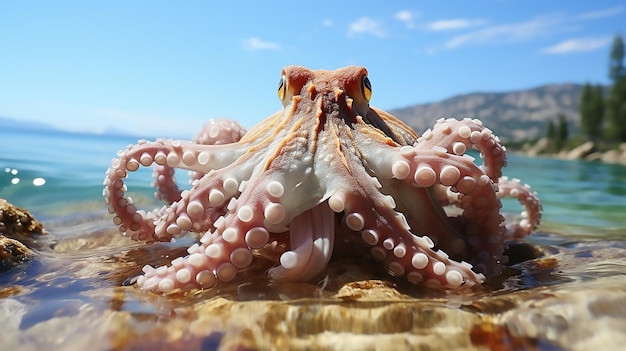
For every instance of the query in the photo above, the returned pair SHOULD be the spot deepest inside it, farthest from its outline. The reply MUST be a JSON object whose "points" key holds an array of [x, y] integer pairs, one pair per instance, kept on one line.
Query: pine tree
{"points": [[616, 65], [597, 113], [561, 131], [616, 111], [551, 132], [616, 102], [551, 136], [585, 108]]}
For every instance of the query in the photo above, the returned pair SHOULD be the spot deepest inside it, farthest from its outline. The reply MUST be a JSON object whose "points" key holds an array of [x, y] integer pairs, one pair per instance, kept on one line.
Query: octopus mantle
{"points": [[326, 165]]}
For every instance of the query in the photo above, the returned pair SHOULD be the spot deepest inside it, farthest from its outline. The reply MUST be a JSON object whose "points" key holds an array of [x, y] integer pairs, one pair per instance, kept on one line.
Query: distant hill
{"points": [[515, 115], [13, 124], [16, 124]]}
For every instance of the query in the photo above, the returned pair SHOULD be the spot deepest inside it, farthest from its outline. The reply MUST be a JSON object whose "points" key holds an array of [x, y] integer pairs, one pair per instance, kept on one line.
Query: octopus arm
{"points": [[250, 220], [159, 225], [530, 217], [311, 236], [424, 166], [214, 132], [356, 194], [372, 214], [458, 136]]}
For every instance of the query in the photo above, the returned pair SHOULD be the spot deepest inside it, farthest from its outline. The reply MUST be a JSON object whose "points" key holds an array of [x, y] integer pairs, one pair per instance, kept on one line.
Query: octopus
{"points": [[327, 166]]}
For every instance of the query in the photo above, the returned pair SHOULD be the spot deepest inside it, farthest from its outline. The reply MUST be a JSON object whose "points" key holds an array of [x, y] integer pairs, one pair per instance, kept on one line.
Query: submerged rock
{"points": [[16, 225], [12, 253], [15, 221]]}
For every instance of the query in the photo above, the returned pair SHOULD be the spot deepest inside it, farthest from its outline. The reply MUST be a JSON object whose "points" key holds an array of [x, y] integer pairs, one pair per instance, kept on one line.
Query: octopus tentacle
{"points": [[530, 217], [367, 210], [137, 223], [214, 132], [429, 166], [219, 256], [392, 241], [245, 227], [311, 244], [480, 220], [217, 132], [458, 136], [198, 206], [258, 213], [494, 157]]}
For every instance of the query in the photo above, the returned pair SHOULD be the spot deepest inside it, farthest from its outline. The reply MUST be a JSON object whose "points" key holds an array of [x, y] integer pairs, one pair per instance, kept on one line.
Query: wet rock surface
{"points": [[16, 221], [12, 253], [16, 225]]}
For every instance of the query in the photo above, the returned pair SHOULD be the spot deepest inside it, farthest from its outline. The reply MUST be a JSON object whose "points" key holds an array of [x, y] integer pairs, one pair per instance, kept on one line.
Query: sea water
{"points": [[52, 173]]}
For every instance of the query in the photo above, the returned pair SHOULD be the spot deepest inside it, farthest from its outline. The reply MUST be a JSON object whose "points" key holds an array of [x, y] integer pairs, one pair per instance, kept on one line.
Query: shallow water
{"points": [[73, 295]]}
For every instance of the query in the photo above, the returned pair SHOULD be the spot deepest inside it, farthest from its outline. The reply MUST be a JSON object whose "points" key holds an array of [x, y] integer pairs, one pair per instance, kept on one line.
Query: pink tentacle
{"points": [[480, 224], [459, 136], [428, 165], [392, 242], [224, 251], [214, 132], [176, 219], [530, 217]]}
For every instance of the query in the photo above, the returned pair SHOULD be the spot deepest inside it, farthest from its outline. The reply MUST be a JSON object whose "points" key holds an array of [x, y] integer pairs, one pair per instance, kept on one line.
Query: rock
{"points": [[16, 225], [611, 156], [594, 156], [538, 148], [16, 221], [12, 253], [585, 151], [580, 151]]}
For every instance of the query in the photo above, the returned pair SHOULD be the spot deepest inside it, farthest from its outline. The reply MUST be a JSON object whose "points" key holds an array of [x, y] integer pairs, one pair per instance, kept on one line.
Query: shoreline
{"points": [[586, 151]]}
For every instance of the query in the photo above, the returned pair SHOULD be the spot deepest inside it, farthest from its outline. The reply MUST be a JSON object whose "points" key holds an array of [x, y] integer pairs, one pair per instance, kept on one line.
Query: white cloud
{"points": [[407, 17], [544, 26], [327, 22], [456, 23], [592, 15], [508, 33], [578, 45], [255, 44], [366, 25]]}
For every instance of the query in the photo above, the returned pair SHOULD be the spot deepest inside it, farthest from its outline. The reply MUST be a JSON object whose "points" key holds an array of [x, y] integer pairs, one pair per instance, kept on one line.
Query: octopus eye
{"points": [[366, 87], [282, 87]]}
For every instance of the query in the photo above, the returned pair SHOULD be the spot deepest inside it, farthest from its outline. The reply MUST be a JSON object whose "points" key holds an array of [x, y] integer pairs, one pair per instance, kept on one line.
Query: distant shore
{"points": [[585, 151]]}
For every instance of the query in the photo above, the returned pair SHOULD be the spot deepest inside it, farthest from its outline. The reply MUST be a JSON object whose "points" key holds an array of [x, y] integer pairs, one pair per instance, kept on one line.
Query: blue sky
{"points": [[163, 68]]}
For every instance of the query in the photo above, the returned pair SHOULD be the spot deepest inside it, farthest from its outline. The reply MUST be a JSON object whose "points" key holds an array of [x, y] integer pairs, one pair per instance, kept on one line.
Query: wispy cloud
{"points": [[407, 17], [593, 15], [543, 26], [327, 22], [578, 45], [456, 23], [256, 44], [507, 33], [366, 26]]}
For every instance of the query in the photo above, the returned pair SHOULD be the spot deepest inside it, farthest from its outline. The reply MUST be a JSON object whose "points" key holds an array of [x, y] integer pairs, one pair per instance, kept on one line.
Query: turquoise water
{"points": [[579, 198]]}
